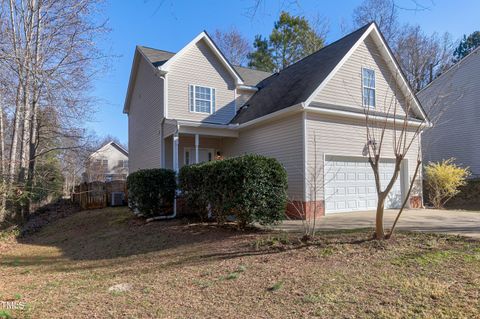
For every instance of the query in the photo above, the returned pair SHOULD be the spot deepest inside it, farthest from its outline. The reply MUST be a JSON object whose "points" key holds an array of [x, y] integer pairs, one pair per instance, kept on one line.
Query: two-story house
{"points": [[108, 163], [194, 106]]}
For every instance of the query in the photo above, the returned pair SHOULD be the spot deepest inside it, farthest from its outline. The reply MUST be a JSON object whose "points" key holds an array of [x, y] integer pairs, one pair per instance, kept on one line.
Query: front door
{"points": [[204, 155]]}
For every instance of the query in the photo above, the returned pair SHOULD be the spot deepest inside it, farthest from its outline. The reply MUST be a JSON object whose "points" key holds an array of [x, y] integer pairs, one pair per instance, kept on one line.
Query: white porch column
{"points": [[197, 142], [175, 152]]}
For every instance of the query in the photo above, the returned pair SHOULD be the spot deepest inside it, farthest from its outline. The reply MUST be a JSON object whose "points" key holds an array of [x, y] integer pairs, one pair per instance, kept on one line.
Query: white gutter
{"points": [[247, 87], [362, 116], [208, 125]]}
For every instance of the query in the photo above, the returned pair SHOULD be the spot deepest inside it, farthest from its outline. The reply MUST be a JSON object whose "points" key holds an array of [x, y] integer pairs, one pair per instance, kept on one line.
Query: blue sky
{"points": [[170, 24]]}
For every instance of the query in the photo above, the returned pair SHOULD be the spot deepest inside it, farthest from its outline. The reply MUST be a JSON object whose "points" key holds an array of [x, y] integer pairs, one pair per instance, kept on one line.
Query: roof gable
{"points": [[110, 145], [205, 37], [296, 83], [303, 80]]}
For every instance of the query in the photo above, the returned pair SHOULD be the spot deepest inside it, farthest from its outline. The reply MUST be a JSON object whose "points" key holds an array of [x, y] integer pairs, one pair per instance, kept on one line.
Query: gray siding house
{"points": [[194, 106], [453, 102]]}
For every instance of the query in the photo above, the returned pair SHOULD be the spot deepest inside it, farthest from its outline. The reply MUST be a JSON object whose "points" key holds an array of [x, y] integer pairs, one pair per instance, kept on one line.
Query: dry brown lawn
{"points": [[172, 269]]}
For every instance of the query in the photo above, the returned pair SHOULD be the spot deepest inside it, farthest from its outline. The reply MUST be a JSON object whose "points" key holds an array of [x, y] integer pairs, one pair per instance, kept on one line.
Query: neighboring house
{"points": [[452, 102], [108, 163], [194, 106]]}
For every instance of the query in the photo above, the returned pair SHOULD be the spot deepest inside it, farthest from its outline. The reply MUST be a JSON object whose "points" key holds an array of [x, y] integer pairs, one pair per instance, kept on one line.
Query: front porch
{"points": [[193, 143]]}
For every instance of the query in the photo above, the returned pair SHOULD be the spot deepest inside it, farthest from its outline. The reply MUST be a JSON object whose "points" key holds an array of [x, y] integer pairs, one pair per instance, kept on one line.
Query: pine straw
{"points": [[179, 270]]}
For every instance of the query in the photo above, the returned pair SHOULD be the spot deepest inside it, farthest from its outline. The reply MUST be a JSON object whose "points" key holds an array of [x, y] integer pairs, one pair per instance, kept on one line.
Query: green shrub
{"points": [[443, 181], [189, 177], [252, 188], [152, 191]]}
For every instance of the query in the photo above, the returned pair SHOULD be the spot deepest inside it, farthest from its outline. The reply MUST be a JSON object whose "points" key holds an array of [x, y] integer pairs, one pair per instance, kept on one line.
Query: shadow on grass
{"points": [[114, 232], [109, 236]]}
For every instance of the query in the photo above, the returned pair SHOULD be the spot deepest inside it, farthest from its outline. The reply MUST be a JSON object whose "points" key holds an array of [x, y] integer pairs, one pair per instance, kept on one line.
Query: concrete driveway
{"points": [[457, 222]]}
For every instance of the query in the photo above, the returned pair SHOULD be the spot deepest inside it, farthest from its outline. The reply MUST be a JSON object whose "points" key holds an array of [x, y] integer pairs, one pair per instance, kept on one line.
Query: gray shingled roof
{"points": [[159, 57], [297, 82], [156, 57], [250, 76]]}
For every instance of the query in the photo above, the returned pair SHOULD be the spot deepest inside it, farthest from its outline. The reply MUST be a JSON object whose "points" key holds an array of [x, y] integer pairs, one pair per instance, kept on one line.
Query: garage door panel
{"points": [[350, 184]]}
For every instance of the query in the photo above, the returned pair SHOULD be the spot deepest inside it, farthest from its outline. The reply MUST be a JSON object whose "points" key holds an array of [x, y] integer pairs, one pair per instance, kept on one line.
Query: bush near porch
{"points": [[252, 188], [152, 191]]}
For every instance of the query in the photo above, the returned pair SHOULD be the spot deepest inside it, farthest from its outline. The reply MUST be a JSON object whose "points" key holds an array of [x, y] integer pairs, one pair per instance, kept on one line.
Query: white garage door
{"points": [[350, 184]]}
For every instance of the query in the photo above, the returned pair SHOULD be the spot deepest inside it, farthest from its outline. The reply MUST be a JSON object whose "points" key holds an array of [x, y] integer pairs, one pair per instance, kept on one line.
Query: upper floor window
{"points": [[201, 99], [123, 163], [368, 84]]}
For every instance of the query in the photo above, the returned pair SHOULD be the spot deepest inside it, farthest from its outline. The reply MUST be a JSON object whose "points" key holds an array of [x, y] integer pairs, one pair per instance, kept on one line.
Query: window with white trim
{"points": [[201, 99], [368, 84]]}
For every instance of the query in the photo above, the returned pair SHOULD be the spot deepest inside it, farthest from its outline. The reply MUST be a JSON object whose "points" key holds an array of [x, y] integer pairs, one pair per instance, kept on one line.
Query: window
{"points": [[201, 99], [368, 84], [187, 157], [123, 163]]}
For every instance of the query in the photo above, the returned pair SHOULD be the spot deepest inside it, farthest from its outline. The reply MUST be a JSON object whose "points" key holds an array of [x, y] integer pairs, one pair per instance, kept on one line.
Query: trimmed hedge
{"points": [[152, 191], [252, 188]]}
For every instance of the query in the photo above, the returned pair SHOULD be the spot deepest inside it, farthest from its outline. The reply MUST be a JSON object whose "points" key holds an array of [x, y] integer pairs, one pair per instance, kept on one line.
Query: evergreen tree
{"points": [[467, 45], [261, 58], [292, 38]]}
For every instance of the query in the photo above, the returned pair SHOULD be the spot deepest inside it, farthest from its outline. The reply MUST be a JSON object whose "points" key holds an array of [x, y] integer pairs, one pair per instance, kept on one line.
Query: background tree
{"points": [[261, 57], [233, 45], [292, 38], [48, 57], [422, 57], [466, 45], [385, 15]]}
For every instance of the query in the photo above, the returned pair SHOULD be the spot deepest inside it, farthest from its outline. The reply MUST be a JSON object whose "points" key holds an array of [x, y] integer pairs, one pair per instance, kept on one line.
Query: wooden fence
{"points": [[99, 194]]}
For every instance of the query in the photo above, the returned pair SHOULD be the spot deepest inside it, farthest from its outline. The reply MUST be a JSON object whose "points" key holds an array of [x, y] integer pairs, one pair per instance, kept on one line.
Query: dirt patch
{"points": [[178, 270], [48, 214]]}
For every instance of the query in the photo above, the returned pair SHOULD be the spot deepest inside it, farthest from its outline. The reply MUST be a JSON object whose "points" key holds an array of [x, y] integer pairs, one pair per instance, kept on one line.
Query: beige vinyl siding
{"points": [[344, 137], [169, 129], [345, 87], [144, 119], [283, 140], [200, 66], [453, 104]]}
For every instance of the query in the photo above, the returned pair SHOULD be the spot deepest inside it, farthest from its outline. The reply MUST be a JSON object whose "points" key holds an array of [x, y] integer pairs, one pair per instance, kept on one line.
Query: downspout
{"points": [[151, 219]]}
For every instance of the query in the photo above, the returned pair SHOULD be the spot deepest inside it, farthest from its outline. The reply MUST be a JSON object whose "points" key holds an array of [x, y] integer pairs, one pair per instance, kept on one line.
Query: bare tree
{"points": [[422, 57], [49, 57], [383, 12], [233, 45]]}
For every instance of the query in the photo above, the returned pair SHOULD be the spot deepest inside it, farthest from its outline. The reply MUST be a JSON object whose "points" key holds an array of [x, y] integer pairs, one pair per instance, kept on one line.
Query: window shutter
{"points": [[191, 100], [213, 100]]}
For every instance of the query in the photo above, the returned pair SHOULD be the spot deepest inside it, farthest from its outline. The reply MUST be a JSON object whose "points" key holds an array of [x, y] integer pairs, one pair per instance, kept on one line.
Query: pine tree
{"points": [[467, 45]]}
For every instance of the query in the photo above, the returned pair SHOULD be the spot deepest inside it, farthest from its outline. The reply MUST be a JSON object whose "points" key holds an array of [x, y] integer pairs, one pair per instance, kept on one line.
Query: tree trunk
{"points": [[379, 230], [3, 189]]}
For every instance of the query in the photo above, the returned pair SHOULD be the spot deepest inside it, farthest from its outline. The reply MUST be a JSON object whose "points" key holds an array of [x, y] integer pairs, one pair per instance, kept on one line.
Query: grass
{"points": [[203, 270]]}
